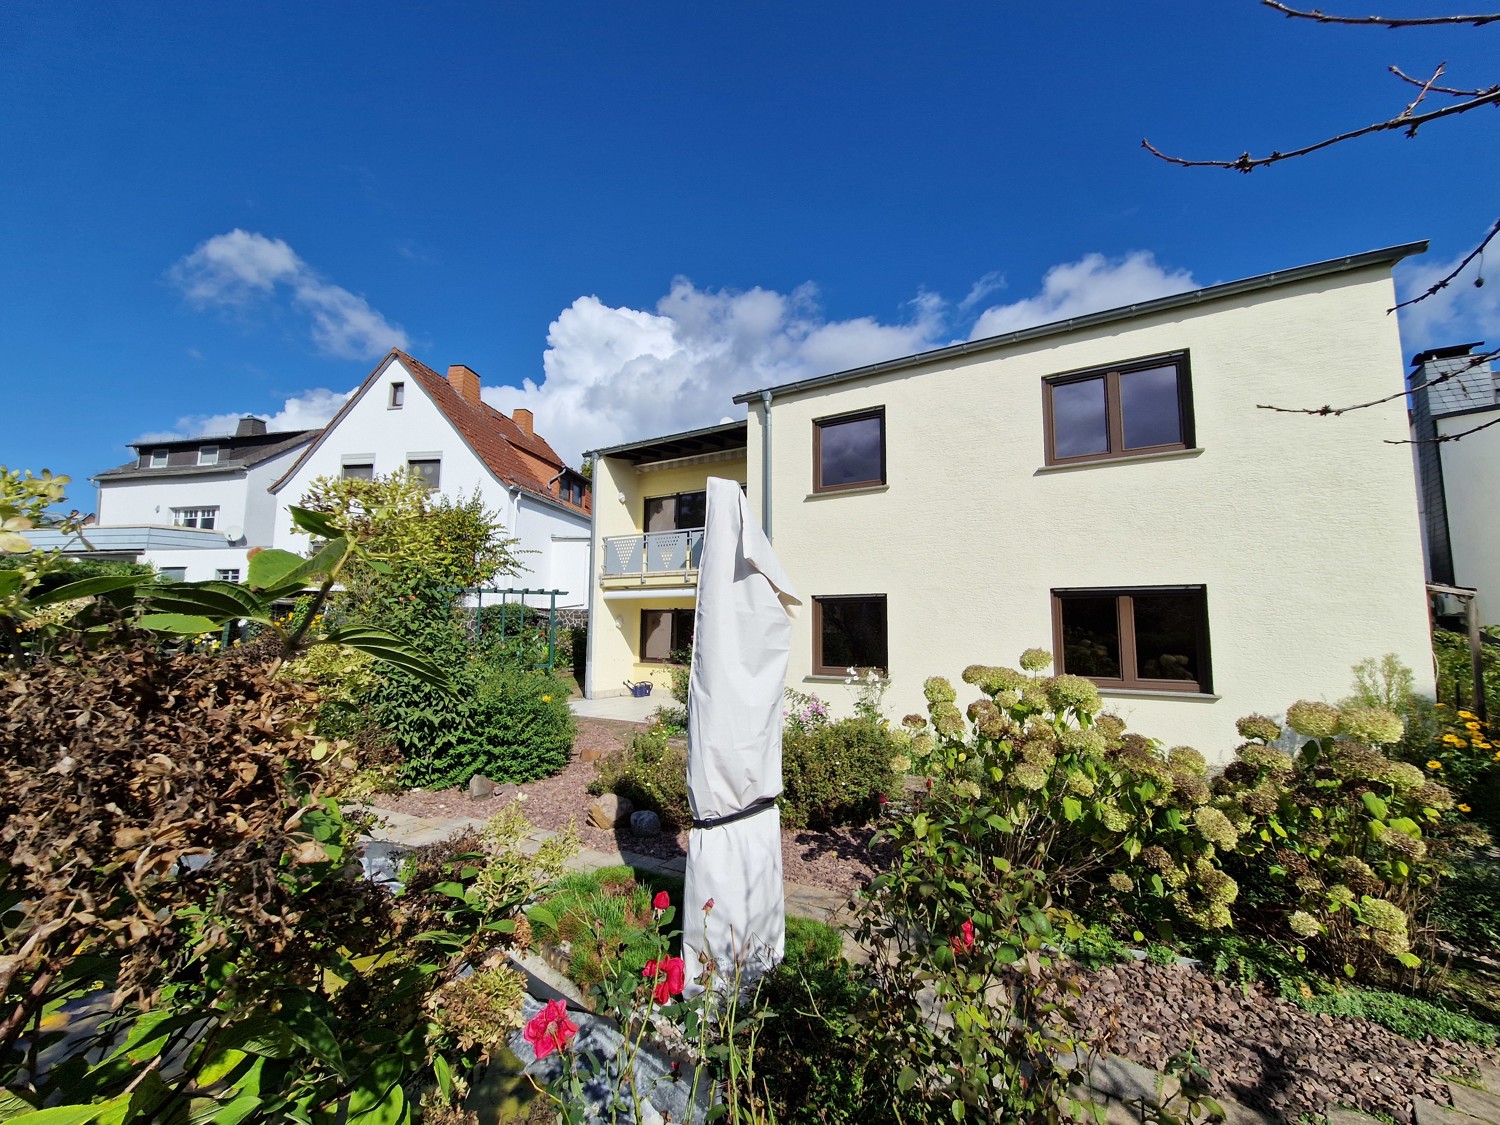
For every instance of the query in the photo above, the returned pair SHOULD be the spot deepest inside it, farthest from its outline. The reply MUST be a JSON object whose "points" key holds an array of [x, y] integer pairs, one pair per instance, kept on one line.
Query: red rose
{"points": [[550, 1029], [884, 800], [963, 942], [661, 901], [668, 975]]}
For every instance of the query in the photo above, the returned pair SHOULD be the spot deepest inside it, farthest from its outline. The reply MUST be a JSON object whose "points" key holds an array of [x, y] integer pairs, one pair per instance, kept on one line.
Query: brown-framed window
{"points": [[1151, 638], [678, 512], [849, 631], [1143, 406], [665, 632], [849, 450]]}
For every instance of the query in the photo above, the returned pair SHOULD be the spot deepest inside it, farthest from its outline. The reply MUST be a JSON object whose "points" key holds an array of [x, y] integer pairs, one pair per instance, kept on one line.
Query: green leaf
{"points": [[906, 1079], [206, 1111], [61, 1115], [183, 624], [1376, 806], [323, 562], [212, 599], [89, 587], [1410, 960], [389, 649], [10, 582], [1072, 808], [542, 917], [444, 1075], [270, 568], [314, 523]]}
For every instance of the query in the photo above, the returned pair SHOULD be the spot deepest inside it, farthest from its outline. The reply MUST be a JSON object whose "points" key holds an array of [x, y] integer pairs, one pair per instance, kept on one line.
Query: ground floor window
{"points": [[172, 573], [664, 632], [1149, 638], [849, 631]]}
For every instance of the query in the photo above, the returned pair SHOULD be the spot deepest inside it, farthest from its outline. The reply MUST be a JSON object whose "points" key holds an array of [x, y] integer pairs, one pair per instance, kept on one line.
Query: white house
{"points": [[1455, 420], [192, 508], [407, 417], [1107, 487]]}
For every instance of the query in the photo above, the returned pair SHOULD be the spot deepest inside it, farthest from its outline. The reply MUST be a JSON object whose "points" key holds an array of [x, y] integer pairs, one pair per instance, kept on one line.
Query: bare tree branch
{"points": [[1446, 437], [1335, 411], [1445, 282], [1401, 74], [1382, 21], [1247, 163]]}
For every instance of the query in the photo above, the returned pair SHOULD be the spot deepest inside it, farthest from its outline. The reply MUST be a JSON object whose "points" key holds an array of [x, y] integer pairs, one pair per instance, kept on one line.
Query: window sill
{"points": [[861, 491], [1156, 693], [1132, 459], [819, 679]]}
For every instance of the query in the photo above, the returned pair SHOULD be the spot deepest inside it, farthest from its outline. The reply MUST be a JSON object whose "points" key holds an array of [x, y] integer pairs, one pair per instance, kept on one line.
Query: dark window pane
{"points": [[1079, 427], [853, 633], [359, 472], [691, 508], [682, 632], [850, 452], [1166, 636], [656, 634], [1148, 402], [1091, 637], [429, 471]]}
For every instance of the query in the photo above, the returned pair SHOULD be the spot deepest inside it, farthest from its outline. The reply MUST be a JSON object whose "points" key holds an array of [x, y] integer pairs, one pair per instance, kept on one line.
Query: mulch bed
{"points": [[1262, 1050]]}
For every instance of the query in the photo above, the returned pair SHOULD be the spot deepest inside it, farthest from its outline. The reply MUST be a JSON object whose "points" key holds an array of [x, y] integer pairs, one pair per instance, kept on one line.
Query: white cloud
{"points": [[612, 375], [240, 269], [306, 411], [1455, 315], [1091, 284]]}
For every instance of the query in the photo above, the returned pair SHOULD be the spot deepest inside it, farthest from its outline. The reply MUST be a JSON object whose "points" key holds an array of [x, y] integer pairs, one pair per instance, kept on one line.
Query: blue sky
{"points": [[212, 209]]}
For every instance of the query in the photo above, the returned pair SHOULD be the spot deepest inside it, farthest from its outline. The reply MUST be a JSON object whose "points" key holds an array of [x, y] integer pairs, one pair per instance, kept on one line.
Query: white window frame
{"points": [[208, 454], [435, 458], [227, 574], [172, 573], [182, 516], [159, 458]]}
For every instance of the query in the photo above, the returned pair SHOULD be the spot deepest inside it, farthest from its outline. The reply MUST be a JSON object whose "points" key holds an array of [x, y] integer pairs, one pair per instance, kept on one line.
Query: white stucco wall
{"points": [[540, 526], [1303, 530], [200, 566], [1471, 486], [128, 502]]}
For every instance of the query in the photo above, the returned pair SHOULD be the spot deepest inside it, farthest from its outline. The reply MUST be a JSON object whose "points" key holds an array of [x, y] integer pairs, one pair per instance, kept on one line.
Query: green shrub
{"points": [[1097, 947], [1405, 1015], [835, 774], [1455, 670], [651, 773], [810, 942], [1468, 904]]}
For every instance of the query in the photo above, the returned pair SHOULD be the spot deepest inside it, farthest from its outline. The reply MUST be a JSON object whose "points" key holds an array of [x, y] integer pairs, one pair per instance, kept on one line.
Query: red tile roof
{"points": [[516, 458]]}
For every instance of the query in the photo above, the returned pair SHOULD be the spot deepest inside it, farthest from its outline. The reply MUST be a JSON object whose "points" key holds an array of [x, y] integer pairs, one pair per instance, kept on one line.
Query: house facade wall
{"points": [[620, 494], [1470, 476], [1303, 530], [151, 500], [547, 561]]}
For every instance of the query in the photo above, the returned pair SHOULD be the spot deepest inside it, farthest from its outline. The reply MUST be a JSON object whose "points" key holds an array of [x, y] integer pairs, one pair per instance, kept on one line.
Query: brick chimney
{"points": [[522, 417], [465, 381], [250, 426]]}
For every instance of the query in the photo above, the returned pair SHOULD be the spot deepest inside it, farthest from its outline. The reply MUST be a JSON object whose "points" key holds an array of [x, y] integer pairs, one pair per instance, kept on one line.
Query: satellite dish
{"points": [[234, 534]]}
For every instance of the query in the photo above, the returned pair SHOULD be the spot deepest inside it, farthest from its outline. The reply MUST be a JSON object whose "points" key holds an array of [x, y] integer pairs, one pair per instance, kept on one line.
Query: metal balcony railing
{"points": [[656, 552]]}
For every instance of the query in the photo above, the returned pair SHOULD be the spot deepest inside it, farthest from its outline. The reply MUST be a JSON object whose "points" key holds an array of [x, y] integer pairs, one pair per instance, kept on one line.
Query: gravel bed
{"points": [[1262, 1050], [839, 860]]}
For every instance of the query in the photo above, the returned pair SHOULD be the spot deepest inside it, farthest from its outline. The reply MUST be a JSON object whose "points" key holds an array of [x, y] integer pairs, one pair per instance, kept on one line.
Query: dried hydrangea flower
{"points": [[1184, 759], [1027, 775], [1340, 896], [939, 690], [1433, 795], [1121, 882], [1380, 914], [1215, 827], [1372, 724], [1216, 886], [1313, 719], [1258, 756], [1303, 924], [946, 720], [1190, 790], [1080, 784], [1353, 761], [1404, 778], [1112, 727], [1035, 659], [1077, 741], [1111, 816], [1261, 727]]}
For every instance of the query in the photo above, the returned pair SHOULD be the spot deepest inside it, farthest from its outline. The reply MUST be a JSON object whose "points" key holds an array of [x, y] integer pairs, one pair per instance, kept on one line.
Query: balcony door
{"points": [[676, 513]]}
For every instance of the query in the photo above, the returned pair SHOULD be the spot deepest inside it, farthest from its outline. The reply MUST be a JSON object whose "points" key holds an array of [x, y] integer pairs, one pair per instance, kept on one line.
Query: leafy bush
{"points": [[835, 774], [1455, 670], [1468, 904], [651, 773], [1407, 1016], [527, 724]]}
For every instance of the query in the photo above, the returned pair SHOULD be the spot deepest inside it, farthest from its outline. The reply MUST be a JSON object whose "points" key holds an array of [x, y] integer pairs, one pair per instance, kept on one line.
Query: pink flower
{"points": [[707, 906], [550, 1029], [668, 975], [963, 941], [884, 800], [661, 901]]}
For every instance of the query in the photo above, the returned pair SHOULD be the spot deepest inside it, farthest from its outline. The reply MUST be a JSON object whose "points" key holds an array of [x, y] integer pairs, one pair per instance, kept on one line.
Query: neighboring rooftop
{"points": [[1388, 256], [724, 437], [246, 447]]}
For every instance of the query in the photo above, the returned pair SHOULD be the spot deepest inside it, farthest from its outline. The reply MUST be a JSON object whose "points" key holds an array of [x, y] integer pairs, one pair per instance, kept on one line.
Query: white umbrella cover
{"points": [[742, 638]]}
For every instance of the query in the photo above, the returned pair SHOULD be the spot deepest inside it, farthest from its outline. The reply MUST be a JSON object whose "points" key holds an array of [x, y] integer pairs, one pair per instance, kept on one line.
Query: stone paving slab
{"points": [[1479, 1104], [1430, 1113]]}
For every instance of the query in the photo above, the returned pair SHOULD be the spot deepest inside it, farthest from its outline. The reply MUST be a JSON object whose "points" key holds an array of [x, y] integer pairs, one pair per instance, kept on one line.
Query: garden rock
{"points": [[608, 809], [645, 823], [481, 788]]}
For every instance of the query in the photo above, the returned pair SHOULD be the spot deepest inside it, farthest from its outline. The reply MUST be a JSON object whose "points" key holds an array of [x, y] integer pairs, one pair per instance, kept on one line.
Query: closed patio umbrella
{"points": [[741, 641]]}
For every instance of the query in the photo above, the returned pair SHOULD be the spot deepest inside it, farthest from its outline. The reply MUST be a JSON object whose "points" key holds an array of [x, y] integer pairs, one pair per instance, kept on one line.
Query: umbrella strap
{"points": [[749, 810]]}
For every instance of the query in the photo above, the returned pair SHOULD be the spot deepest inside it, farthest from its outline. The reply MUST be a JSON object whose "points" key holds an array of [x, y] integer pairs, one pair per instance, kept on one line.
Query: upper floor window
{"points": [[849, 450], [1150, 638], [430, 469], [571, 490], [228, 574], [1144, 406], [172, 573], [675, 513], [359, 470], [158, 458], [208, 455], [849, 632], [203, 518], [398, 396]]}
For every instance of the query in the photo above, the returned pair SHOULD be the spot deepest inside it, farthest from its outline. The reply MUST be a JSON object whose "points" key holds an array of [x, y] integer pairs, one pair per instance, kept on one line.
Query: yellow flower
{"points": [[546, 699], [1467, 715], [1481, 744], [1434, 764], [1471, 726], [1453, 740], [1464, 808]]}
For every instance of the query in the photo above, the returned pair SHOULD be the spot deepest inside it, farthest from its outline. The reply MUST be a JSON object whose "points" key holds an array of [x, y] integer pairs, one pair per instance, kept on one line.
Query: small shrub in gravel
{"points": [[835, 774], [651, 773]]}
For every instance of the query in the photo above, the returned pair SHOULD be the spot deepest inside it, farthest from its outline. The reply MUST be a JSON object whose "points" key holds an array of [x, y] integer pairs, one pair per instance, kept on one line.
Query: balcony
{"points": [[655, 558]]}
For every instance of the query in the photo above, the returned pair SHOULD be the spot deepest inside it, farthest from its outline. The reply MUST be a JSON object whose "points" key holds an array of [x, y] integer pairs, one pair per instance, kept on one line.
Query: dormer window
{"points": [[398, 396], [208, 455], [158, 458]]}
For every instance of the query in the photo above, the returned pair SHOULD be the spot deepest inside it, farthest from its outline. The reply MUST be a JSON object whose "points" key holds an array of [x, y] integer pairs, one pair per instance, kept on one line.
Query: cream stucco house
{"points": [[1107, 487]]}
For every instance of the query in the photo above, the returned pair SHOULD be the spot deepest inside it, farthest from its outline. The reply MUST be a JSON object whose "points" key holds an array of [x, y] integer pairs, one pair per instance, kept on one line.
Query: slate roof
{"points": [[236, 453], [493, 437]]}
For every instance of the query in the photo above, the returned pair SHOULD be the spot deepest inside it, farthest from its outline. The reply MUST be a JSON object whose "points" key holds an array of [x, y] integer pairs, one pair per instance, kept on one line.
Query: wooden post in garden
{"points": [[1470, 600]]}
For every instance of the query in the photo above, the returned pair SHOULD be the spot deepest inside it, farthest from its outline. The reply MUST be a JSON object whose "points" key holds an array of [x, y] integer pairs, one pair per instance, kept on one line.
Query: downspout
{"points": [[765, 463], [591, 621]]}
